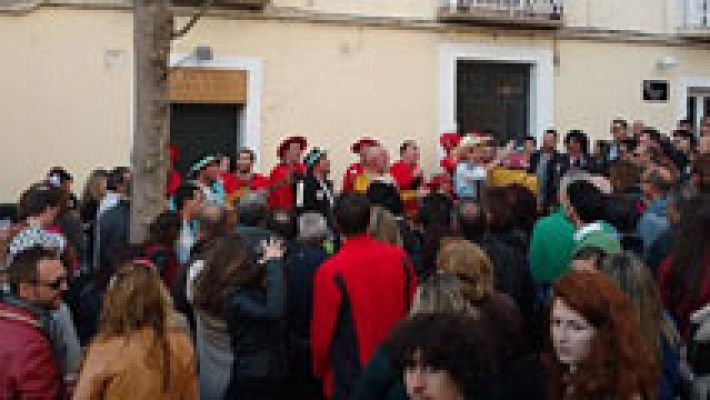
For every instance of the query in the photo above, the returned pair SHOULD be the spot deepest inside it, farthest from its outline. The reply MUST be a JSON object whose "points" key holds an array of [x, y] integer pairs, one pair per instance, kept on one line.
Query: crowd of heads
{"points": [[634, 213]]}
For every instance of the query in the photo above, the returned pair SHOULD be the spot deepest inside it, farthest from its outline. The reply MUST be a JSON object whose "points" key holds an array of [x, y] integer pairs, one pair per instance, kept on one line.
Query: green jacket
{"points": [[551, 247]]}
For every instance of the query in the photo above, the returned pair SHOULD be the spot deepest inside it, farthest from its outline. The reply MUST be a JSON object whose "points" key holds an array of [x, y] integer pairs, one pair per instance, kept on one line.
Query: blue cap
{"points": [[313, 157]]}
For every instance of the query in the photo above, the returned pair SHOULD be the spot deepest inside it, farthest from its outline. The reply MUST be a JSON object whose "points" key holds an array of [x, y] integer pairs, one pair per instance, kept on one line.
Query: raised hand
{"points": [[273, 249]]}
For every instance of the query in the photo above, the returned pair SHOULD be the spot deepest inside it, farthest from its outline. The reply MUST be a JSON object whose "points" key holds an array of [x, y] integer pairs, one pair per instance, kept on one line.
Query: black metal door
{"points": [[493, 97], [200, 129]]}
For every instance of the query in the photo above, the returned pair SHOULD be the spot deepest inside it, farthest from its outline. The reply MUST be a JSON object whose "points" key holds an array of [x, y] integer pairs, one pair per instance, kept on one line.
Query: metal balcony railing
{"points": [[239, 4], [545, 12], [696, 14]]}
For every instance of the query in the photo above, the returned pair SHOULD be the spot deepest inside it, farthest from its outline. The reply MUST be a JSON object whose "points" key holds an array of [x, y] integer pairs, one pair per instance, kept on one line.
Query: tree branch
{"points": [[196, 17]]}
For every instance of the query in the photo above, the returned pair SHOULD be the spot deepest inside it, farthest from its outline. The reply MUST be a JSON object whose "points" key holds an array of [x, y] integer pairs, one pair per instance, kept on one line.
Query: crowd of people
{"points": [[514, 272]]}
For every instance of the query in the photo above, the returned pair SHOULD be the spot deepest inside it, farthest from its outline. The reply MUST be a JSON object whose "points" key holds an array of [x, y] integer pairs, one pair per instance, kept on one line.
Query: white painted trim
{"points": [[681, 93], [541, 80], [133, 99], [250, 116]]}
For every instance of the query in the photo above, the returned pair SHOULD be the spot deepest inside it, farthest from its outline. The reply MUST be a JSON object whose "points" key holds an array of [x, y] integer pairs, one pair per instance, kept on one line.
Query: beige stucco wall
{"points": [[597, 82], [59, 103], [649, 16], [333, 84], [67, 91], [383, 8]]}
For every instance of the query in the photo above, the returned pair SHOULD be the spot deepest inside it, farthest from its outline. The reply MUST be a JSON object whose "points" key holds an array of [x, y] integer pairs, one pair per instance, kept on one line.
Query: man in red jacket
{"points": [[245, 179], [449, 141], [409, 176], [30, 371], [284, 176], [359, 295]]}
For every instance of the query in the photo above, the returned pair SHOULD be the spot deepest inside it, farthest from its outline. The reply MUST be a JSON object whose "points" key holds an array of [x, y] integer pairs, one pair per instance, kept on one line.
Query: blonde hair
{"points": [[136, 299], [470, 264], [95, 187], [634, 278], [384, 227], [441, 293]]}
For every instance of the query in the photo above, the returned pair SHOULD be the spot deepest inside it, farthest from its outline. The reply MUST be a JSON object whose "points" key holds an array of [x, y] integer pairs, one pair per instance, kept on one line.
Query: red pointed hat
{"points": [[449, 140], [366, 141], [302, 142]]}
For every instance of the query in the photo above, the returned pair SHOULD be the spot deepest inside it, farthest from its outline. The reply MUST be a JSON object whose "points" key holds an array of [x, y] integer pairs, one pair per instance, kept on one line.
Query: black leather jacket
{"points": [[257, 319]]}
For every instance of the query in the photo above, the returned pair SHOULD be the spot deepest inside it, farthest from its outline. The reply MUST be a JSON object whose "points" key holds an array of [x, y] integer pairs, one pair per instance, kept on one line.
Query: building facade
{"points": [[254, 71]]}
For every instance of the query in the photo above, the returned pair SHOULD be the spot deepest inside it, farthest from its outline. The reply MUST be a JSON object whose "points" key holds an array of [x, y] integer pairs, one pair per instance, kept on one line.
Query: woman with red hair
{"points": [[600, 353]]}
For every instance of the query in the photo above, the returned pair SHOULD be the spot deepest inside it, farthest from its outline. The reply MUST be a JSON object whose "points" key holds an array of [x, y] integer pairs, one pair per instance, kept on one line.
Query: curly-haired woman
{"points": [[444, 356]]}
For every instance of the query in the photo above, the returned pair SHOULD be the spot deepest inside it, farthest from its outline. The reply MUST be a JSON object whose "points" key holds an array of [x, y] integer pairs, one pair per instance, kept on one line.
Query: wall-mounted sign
{"points": [[209, 86], [655, 91]]}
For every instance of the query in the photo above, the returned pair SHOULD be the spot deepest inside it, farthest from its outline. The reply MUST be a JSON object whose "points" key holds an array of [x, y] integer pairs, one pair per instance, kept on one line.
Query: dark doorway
{"points": [[200, 129], [493, 97]]}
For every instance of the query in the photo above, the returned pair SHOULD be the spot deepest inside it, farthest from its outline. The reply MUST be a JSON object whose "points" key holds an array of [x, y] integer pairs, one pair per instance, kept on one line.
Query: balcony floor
{"points": [[517, 18], [695, 32], [238, 4]]}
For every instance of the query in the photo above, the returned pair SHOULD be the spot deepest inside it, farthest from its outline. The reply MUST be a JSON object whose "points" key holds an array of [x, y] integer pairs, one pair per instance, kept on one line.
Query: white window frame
{"points": [[250, 116], [541, 100], [683, 88]]}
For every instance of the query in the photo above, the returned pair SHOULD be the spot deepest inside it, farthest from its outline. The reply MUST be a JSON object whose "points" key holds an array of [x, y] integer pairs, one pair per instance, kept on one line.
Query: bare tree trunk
{"points": [[152, 30]]}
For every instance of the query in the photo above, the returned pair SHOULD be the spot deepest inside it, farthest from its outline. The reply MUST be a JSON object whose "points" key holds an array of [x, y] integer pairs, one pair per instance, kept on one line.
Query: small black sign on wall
{"points": [[655, 91]]}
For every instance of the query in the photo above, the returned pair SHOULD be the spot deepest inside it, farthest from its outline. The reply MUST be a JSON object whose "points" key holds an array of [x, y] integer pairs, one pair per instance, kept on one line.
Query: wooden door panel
{"points": [[200, 129], [493, 96]]}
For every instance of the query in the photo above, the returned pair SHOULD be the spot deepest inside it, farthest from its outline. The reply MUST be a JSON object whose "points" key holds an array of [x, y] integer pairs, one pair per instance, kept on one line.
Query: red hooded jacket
{"points": [[281, 180], [29, 370]]}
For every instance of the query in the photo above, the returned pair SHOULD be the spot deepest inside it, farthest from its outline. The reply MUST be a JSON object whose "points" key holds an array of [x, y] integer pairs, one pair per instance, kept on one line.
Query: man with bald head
{"points": [[356, 169], [377, 182], [375, 165]]}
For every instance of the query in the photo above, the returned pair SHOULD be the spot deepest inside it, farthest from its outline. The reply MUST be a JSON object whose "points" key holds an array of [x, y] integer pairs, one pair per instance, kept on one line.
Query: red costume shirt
{"points": [[174, 182], [351, 174], [256, 182], [403, 174], [366, 288], [448, 164], [229, 182], [281, 182]]}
